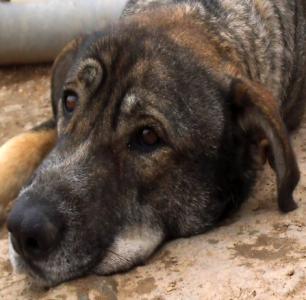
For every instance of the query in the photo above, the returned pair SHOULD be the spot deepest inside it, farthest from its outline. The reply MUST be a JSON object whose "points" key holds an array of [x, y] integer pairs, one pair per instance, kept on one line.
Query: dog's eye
{"points": [[146, 140], [70, 101], [149, 137]]}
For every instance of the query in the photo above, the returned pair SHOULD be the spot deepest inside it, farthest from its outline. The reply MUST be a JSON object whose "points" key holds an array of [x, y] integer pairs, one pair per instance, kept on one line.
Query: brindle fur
{"points": [[220, 81]]}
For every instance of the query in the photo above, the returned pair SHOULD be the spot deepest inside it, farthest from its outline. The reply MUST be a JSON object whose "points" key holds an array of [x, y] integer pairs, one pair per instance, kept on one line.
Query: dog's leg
{"points": [[19, 157]]}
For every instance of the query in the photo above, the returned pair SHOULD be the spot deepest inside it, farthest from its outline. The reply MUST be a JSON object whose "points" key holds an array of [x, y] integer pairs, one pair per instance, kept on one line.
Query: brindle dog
{"points": [[161, 122]]}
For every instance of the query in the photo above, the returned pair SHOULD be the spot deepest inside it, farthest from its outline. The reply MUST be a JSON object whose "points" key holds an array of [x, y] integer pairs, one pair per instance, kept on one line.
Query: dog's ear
{"points": [[60, 70], [257, 111]]}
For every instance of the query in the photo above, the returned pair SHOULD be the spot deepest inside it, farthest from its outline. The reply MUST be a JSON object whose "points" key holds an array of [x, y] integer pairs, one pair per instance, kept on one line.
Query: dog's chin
{"points": [[130, 248]]}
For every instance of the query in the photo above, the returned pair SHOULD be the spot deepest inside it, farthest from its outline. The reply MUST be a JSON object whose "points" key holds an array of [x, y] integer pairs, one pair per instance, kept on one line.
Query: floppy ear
{"points": [[258, 111], [60, 70]]}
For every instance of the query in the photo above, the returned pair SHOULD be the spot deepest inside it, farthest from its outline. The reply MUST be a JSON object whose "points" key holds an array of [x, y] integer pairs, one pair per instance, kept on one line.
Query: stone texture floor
{"points": [[257, 254]]}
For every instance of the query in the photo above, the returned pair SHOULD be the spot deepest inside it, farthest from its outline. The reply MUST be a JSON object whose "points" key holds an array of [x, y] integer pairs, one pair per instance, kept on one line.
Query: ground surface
{"points": [[258, 254]]}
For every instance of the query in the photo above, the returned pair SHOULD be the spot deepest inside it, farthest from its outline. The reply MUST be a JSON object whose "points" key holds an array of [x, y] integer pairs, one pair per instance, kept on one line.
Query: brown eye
{"points": [[145, 140], [149, 137], [70, 101]]}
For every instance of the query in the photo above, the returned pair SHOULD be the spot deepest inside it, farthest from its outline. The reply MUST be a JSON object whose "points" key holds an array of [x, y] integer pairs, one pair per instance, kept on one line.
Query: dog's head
{"points": [[152, 144]]}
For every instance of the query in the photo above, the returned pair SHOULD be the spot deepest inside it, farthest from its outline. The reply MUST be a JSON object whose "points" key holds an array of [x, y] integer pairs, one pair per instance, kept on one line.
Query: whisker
{"points": [[120, 257]]}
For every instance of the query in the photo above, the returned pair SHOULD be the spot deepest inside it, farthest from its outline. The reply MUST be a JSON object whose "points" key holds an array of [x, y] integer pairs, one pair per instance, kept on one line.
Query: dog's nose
{"points": [[35, 229]]}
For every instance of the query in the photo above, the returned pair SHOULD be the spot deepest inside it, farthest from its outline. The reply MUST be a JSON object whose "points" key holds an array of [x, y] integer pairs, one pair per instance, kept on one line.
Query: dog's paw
{"points": [[19, 157]]}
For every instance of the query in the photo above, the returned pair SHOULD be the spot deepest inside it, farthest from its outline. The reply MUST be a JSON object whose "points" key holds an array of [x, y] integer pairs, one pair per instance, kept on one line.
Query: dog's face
{"points": [[148, 148]]}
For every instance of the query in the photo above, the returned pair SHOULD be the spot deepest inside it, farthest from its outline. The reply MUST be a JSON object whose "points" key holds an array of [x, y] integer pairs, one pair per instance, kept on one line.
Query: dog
{"points": [[160, 125]]}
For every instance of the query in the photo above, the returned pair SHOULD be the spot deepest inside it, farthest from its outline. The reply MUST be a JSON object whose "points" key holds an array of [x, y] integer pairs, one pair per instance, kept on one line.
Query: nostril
{"points": [[32, 245], [38, 241]]}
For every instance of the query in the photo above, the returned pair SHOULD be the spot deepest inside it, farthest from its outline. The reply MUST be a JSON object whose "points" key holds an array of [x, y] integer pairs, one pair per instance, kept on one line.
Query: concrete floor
{"points": [[257, 254]]}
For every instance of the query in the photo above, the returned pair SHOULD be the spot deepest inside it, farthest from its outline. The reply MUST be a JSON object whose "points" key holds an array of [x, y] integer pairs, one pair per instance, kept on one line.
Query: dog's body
{"points": [[162, 121]]}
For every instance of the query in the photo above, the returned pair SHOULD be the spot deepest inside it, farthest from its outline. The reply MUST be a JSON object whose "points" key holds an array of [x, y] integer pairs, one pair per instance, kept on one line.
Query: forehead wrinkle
{"points": [[120, 81], [133, 70]]}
